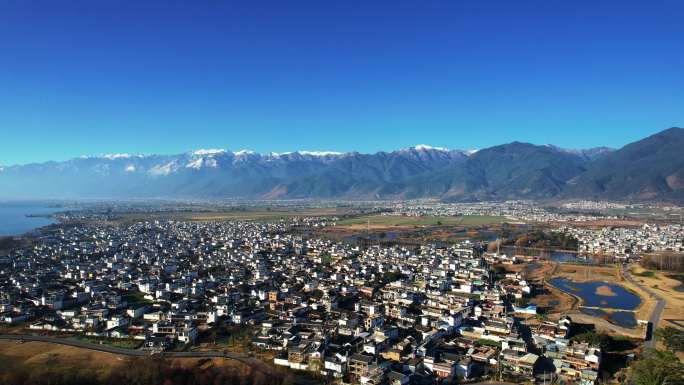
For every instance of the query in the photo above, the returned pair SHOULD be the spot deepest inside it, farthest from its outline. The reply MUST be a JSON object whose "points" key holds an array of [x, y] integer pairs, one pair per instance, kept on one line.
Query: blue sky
{"points": [[91, 77]]}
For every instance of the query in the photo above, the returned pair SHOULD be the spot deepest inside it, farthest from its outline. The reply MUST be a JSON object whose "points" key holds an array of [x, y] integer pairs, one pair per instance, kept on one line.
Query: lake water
{"points": [[374, 237], [621, 302], [680, 278], [621, 318], [14, 220], [558, 256], [623, 298]]}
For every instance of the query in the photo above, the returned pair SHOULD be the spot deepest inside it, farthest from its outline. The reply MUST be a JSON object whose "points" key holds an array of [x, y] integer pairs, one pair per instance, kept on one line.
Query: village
{"points": [[624, 242], [346, 313]]}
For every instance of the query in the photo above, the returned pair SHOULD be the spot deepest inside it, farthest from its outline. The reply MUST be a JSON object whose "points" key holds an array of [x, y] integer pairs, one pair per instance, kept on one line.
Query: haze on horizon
{"points": [[124, 77]]}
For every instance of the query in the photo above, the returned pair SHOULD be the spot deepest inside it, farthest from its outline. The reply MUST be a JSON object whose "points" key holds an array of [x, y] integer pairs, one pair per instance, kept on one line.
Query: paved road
{"points": [[127, 352], [657, 312]]}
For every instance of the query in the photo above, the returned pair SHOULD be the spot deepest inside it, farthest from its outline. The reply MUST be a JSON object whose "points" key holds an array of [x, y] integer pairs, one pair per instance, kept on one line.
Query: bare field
{"points": [[601, 223], [46, 354], [583, 273], [39, 353], [384, 221], [244, 215], [663, 284]]}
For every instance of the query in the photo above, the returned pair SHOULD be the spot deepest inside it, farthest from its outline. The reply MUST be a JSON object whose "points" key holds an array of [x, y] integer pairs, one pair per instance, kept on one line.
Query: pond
{"points": [[532, 267], [625, 319], [559, 256], [374, 237], [680, 278], [599, 294]]}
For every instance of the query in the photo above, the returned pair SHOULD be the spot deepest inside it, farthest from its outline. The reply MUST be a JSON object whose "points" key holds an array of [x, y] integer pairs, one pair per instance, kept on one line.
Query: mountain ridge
{"points": [[649, 169]]}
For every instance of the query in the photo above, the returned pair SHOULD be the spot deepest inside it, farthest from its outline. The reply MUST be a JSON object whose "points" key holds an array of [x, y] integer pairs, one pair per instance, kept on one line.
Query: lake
{"points": [[620, 298], [599, 296], [559, 256], [14, 220]]}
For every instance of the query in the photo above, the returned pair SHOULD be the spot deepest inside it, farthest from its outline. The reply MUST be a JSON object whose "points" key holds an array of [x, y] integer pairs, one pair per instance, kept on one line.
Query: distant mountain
{"points": [[649, 169], [521, 170], [652, 168], [219, 173], [587, 154]]}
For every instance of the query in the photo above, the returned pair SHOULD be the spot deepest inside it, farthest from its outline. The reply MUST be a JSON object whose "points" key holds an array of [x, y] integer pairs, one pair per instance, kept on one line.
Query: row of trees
{"points": [[545, 239], [663, 261]]}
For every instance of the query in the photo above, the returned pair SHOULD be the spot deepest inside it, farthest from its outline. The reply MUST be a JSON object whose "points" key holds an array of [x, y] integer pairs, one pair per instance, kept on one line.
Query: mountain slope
{"points": [[220, 173], [652, 168]]}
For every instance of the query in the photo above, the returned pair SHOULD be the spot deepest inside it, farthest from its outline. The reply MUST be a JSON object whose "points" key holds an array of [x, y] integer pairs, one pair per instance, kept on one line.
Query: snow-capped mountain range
{"points": [[514, 170]]}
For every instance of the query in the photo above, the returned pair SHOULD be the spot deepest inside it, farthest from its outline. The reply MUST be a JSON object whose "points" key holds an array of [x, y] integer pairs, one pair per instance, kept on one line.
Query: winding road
{"points": [[655, 314]]}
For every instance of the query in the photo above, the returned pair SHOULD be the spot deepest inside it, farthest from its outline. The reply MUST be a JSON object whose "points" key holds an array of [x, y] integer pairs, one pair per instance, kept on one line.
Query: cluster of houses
{"points": [[514, 210], [379, 314], [629, 241]]}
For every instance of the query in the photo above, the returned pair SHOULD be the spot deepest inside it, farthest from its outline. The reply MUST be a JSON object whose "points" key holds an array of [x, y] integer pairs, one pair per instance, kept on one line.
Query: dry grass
{"points": [[389, 221], [583, 273], [236, 215], [659, 282], [40, 353]]}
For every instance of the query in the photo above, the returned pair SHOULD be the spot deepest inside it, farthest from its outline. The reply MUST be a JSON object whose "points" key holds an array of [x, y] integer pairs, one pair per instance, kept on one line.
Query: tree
{"points": [[672, 338], [657, 367], [522, 302], [596, 339]]}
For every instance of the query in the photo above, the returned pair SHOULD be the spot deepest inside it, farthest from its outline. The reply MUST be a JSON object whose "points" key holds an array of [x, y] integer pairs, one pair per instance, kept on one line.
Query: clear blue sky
{"points": [[90, 77]]}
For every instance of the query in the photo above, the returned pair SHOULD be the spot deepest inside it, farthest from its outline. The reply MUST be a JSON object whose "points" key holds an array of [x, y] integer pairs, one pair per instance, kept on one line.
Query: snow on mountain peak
{"points": [[279, 154], [320, 153], [307, 153], [425, 147], [164, 169], [202, 162], [208, 151], [116, 156]]}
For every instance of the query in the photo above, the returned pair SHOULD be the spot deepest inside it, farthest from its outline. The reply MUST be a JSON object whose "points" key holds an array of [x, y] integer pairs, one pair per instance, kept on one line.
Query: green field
{"points": [[389, 220]]}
